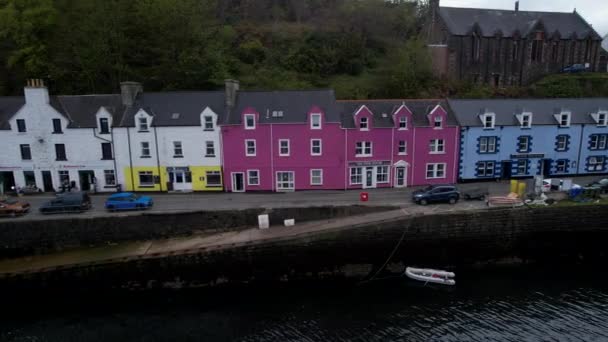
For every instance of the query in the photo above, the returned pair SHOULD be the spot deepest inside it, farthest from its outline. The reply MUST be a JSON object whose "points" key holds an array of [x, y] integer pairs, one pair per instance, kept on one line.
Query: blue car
{"points": [[128, 201]]}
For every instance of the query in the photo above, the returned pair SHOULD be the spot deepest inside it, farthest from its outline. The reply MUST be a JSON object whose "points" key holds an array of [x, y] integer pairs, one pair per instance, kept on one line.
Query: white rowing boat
{"points": [[430, 276]]}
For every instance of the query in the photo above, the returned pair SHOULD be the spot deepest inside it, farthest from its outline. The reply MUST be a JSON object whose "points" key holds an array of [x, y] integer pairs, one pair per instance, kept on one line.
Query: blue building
{"points": [[517, 138]]}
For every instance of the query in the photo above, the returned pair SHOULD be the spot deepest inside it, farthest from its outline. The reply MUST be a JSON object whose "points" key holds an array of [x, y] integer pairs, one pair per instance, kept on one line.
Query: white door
{"points": [[400, 177], [285, 181], [369, 180], [181, 179], [238, 182]]}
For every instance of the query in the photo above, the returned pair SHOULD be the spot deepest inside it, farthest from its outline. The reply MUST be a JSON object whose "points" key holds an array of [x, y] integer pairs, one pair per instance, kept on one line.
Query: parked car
{"points": [[12, 207], [436, 193], [477, 193], [550, 184], [602, 184], [575, 68], [128, 201], [67, 202]]}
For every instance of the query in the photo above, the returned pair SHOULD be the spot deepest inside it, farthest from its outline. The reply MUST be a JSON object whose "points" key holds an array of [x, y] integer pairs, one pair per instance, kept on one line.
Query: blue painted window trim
{"points": [[554, 165], [567, 145], [587, 164], [529, 149], [496, 144], [599, 136], [485, 167]]}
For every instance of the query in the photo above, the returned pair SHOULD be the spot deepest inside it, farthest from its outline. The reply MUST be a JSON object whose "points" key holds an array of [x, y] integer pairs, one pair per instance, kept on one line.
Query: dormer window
{"points": [[143, 124], [104, 126], [403, 122], [364, 124], [525, 120], [563, 119], [601, 118], [488, 120], [438, 122], [208, 123], [249, 121], [315, 121]]}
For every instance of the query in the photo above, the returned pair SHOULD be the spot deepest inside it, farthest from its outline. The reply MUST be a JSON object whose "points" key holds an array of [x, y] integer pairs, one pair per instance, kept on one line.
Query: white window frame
{"points": [[358, 174], [281, 154], [602, 141], [281, 182], [437, 146], [402, 144], [561, 164], [246, 122], [435, 170], [384, 175], [209, 144], [522, 168], [562, 145], [365, 145], [519, 144], [597, 165], [256, 177], [312, 147], [602, 119], [403, 120], [438, 119], [147, 173], [526, 120], [485, 168], [564, 120], [208, 119], [492, 122], [215, 173], [142, 124], [255, 149], [145, 150], [107, 173], [485, 147], [319, 177], [312, 121], [177, 145], [364, 126]]}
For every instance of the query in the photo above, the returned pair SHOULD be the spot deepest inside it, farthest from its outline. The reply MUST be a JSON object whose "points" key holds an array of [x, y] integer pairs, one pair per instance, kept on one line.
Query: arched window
{"points": [[514, 50], [537, 47], [588, 53], [475, 47]]}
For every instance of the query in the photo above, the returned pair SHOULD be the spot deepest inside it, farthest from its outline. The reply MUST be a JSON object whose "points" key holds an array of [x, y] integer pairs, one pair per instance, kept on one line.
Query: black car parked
{"points": [[436, 193], [67, 202], [601, 184]]}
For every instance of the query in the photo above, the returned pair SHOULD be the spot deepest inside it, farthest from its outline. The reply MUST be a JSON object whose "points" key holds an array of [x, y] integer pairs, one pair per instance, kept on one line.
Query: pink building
{"points": [[399, 143], [282, 141]]}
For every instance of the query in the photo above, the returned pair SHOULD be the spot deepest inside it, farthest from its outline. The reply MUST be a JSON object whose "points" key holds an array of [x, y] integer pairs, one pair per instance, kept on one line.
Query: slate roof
{"points": [[467, 111], [460, 21], [419, 108], [295, 105], [8, 107], [162, 106], [81, 109]]}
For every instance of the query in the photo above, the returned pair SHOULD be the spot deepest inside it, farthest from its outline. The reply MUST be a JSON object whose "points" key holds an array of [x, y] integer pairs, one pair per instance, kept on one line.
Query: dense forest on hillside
{"points": [[362, 48]]}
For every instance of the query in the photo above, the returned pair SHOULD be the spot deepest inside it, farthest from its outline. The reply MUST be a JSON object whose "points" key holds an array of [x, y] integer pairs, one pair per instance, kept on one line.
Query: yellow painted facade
{"points": [[199, 178]]}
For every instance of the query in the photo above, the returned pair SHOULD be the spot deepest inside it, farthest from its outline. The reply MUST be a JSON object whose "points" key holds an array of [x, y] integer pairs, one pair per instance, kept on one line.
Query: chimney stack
{"points": [[36, 92], [517, 6], [232, 88], [129, 91]]}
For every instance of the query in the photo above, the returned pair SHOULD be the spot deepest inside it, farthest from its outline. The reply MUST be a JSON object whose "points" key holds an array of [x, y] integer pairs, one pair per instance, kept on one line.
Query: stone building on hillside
{"points": [[504, 47]]}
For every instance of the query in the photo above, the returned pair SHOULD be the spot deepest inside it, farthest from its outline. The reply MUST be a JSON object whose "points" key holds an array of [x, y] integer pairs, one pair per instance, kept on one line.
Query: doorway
{"points": [[400, 176], [370, 178], [181, 178], [7, 181], [47, 181], [238, 182], [505, 169], [87, 179], [545, 167]]}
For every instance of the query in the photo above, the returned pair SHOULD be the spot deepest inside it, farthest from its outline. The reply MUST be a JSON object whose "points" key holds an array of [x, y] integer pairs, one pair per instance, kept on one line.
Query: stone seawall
{"points": [[22, 237], [452, 240]]}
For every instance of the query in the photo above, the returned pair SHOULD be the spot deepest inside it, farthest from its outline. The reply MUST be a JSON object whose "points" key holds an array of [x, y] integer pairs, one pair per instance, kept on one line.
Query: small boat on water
{"points": [[430, 276]]}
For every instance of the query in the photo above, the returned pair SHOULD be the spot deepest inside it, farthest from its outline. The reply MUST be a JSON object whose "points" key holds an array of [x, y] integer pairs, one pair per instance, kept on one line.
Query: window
{"points": [[109, 177], [598, 141], [537, 47], [475, 47], [315, 121], [525, 121], [106, 151], [438, 121], [284, 147], [435, 171], [253, 177], [249, 121], [382, 174], [522, 166], [403, 122], [356, 176], [602, 119], [596, 163], [562, 143], [26, 153], [209, 149], [143, 124], [488, 121], [214, 178], [60, 152], [402, 147], [485, 169], [561, 166], [178, 152], [250, 148], [514, 50], [64, 177], [104, 126], [363, 149], [57, 126], [277, 113], [523, 144], [21, 125], [487, 145], [146, 178], [30, 178], [145, 149], [554, 51], [364, 123], [564, 120], [316, 177], [315, 147], [437, 146], [208, 122], [285, 180]]}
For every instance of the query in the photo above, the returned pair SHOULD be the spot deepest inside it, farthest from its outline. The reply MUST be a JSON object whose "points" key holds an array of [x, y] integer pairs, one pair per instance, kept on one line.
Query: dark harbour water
{"points": [[531, 304]]}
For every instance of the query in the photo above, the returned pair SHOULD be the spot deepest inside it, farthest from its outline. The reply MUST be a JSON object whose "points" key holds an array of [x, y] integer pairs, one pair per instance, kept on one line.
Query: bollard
{"points": [[364, 197], [521, 189], [514, 186]]}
